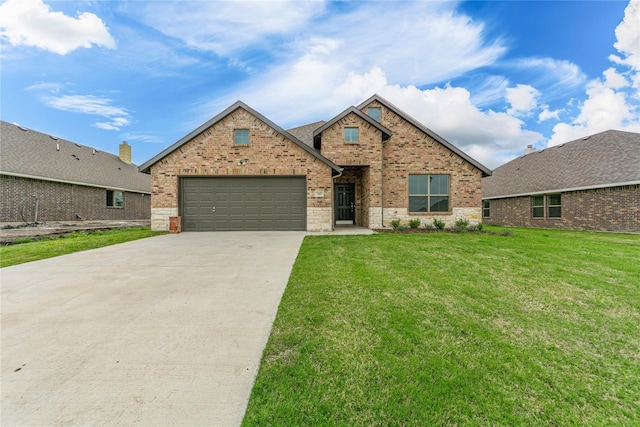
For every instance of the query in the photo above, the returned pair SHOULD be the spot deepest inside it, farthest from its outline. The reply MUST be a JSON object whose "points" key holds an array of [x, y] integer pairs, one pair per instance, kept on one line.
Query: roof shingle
{"points": [[600, 160], [27, 153]]}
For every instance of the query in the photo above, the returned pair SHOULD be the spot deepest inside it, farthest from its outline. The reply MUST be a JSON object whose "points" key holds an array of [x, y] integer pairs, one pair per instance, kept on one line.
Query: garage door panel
{"points": [[243, 203]]}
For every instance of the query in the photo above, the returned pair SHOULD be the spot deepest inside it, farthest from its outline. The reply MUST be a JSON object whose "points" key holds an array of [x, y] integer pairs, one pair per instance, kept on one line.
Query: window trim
{"points": [[428, 195], [486, 208], [238, 137], [350, 136], [544, 204], [112, 199]]}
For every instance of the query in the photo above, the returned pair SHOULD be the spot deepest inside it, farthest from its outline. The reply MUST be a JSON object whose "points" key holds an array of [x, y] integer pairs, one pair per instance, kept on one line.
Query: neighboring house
{"points": [[44, 178], [369, 165], [592, 183]]}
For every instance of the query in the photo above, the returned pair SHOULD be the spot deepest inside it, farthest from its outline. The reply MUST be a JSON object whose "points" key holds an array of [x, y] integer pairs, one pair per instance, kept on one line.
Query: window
{"points": [[550, 204], [554, 206], [537, 204], [350, 134], [374, 113], [241, 136], [428, 193], [486, 208], [115, 199]]}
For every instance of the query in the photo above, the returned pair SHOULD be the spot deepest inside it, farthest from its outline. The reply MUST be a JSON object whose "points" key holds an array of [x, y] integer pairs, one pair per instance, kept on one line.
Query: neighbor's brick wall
{"points": [[269, 153], [61, 202], [411, 151], [605, 209]]}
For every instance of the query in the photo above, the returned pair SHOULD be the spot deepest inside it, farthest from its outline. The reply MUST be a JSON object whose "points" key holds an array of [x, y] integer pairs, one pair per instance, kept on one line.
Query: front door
{"points": [[345, 203]]}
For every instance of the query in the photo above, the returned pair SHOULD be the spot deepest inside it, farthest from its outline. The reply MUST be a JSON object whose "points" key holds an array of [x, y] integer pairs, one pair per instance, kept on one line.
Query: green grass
{"points": [[32, 250], [538, 328]]}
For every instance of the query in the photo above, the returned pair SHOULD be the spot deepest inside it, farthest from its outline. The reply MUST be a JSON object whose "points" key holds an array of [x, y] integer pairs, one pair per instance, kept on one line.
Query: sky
{"points": [[491, 77]]}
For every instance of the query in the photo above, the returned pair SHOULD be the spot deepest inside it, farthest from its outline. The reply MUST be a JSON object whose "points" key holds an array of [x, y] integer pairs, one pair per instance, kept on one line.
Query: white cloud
{"points": [[614, 80], [523, 99], [547, 114], [33, 23], [92, 105], [628, 37]]}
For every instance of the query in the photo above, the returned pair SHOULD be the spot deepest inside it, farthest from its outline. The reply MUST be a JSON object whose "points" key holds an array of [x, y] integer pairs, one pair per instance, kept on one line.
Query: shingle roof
{"points": [[485, 170], [305, 133], [31, 154], [601, 160], [146, 166]]}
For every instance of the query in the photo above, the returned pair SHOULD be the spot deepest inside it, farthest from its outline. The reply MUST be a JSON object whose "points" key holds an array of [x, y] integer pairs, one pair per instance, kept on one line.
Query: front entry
{"points": [[345, 204]]}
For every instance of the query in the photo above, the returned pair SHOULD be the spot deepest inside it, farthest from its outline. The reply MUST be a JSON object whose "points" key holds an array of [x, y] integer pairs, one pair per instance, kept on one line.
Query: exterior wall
{"points": [[411, 151], [606, 209], [61, 202], [213, 153]]}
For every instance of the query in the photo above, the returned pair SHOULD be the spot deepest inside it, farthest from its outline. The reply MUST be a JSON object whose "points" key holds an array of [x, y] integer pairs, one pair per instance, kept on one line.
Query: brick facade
{"points": [[61, 202], [213, 153], [604, 209], [378, 165]]}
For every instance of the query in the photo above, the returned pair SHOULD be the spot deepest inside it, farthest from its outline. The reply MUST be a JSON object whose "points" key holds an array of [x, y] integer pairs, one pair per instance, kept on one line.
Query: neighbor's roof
{"points": [[146, 167], [485, 170], [30, 154], [606, 159]]}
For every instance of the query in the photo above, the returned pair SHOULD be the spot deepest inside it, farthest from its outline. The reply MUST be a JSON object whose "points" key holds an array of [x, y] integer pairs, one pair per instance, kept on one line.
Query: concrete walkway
{"points": [[167, 330]]}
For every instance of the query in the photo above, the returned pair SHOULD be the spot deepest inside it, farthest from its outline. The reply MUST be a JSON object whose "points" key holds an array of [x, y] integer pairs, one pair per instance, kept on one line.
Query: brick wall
{"points": [[213, 153], [604, 209], [61, 202], [411, 151]]}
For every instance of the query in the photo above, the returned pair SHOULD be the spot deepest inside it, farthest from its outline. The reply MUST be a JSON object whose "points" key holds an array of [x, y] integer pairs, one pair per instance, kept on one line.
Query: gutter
{"points": [[563, 190], [84, 184]]}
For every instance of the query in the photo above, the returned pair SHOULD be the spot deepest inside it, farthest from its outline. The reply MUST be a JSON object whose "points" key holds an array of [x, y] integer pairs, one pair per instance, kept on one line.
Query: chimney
{"points": [[529, 150], [125, 152]]}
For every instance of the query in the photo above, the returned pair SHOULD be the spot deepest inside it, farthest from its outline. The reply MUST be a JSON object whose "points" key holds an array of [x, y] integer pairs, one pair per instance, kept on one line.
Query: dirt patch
{"points": [[12, 232]]}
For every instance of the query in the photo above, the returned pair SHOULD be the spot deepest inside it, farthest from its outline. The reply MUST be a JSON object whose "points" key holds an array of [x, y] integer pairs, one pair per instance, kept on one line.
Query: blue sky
{"points": [[491, 77]]}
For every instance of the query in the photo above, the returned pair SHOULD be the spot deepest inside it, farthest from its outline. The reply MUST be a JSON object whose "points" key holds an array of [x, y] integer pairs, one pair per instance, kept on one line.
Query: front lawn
{"points": [[538, 328]]}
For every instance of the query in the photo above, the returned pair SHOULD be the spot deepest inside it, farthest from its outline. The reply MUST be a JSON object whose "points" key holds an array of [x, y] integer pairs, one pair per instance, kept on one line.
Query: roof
{"points": [[606, 159], [30, 154], [146, 167], [305, 132], [485, 170], [386, 133]]}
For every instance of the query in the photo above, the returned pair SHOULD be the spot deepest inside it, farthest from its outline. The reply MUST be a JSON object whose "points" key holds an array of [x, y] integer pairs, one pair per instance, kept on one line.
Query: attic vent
{"points": [[57, 147], [22, 128], [586, 137], [78, 145], [55, 138]]}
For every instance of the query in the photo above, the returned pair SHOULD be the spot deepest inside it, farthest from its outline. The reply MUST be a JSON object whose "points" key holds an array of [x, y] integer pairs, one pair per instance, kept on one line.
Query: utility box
{"points": [[175, 225]]}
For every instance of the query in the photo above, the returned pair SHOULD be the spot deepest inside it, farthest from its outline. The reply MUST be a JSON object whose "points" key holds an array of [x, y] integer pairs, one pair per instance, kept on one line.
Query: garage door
{"points": [[243, 203]]}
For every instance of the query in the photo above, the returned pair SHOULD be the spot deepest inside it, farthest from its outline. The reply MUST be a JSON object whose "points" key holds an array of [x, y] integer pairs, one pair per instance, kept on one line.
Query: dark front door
{"points": [[345, 207]]}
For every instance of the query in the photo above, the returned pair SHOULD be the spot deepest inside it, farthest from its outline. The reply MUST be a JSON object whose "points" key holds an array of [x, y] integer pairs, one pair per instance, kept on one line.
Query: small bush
{"points": [[395, 224], [428, 226], [438, 224], [414, 223]]}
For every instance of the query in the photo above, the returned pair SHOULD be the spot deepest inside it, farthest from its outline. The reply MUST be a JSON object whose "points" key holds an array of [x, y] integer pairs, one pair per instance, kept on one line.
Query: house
{"points": [[368, 166], [592, 183], [44, 178]]}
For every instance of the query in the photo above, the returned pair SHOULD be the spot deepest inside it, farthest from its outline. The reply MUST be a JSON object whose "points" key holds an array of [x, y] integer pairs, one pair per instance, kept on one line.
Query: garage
{"points": [[243, 203]]}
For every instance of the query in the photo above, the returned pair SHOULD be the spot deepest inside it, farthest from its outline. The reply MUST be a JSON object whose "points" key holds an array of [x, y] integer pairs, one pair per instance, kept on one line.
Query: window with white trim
{"points": [[374, 113], [241, 136]]}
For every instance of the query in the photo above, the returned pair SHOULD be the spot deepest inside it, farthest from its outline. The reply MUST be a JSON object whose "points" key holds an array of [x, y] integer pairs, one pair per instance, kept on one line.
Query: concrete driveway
{"points": [[167, 330]]}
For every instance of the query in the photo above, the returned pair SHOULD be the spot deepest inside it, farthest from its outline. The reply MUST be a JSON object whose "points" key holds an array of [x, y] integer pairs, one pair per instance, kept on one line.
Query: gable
{"points": [[242, 108], [378, 101]]}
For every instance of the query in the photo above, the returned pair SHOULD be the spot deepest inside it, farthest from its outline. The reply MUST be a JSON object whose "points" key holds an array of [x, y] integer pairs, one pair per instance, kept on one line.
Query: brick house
{"points": [[44, 178], [367, 166], [592, 183]]}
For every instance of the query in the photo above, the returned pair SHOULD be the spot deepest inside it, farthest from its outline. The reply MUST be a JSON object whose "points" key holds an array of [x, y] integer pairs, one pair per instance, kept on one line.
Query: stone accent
{"points": [[319, 219], [375, 218], [603, 209], [160, 218]]}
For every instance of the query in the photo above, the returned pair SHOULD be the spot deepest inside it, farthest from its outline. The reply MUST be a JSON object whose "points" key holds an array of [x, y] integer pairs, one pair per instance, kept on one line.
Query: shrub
{"points": [[429, 226], [414, 223], [438, 224], [461, 224], [395, 224]]}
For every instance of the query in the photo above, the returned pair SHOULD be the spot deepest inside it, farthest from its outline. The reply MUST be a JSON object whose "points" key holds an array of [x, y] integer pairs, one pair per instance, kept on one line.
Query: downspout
{"points": [[333, 198]]}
